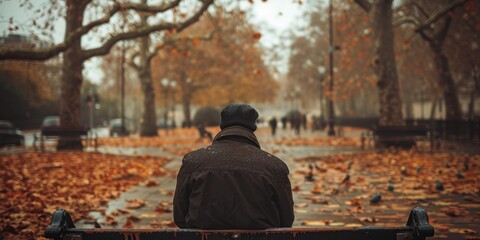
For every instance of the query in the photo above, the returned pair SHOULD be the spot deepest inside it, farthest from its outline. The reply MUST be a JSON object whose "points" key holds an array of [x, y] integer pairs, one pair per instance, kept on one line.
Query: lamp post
{"points": [[173, 84], [165, 83], [296, 98], [331, 112], [91, 103], [322, 70], [122, 91]]}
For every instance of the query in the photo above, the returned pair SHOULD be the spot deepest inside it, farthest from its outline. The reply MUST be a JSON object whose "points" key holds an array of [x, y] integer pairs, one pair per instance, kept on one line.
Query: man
{"points": [[273, 125], [233, 184]]}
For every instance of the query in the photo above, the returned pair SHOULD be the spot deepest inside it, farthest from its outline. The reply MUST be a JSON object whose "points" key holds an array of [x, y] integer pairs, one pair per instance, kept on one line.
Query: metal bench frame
{"points": [[417, 228], [66, 134], [400, 135]]}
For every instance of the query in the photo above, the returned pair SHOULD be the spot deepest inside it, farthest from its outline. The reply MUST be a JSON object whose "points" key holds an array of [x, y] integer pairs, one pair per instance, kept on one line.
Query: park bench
{"points": [[417, 228], [66, 134], [401, 136]]}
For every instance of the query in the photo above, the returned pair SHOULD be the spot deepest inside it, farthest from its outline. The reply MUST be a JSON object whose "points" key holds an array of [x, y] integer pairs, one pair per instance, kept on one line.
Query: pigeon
{"points": [[346, 179], [375, 198], [317, 167], [309, 177], [417, 170], [349, 165], [459, 175], [439, 186], [390, 186]]}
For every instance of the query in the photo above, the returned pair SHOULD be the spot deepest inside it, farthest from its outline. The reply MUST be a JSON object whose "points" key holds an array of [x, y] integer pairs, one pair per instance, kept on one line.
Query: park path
{"points": [[149, 204]]}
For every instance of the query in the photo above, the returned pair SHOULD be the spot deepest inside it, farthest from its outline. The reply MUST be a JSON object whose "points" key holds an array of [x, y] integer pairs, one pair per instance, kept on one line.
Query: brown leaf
{"points": [[128, 224]]}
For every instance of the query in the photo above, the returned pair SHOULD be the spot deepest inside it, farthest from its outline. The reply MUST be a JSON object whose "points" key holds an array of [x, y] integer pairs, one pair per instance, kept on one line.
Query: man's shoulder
{"points": [[195, 154]]}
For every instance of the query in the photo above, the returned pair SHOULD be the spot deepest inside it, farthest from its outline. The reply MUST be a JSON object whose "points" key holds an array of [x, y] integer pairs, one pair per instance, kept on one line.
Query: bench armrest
{"points": [[61, 221], [418, 219]]}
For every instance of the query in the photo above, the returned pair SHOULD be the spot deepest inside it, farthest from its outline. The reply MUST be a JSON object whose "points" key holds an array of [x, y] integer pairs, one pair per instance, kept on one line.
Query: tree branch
{"points": [[150, 9], [439, 13], [405, 20], [173, 41], [441, 35], [43, 54], [142, 31], [364, 4], [32, 54]]}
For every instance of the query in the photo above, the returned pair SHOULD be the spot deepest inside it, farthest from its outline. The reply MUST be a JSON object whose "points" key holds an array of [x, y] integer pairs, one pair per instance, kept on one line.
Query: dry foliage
{"points": [[36, 184], [177, 141], [372, 184], [321, 141]]}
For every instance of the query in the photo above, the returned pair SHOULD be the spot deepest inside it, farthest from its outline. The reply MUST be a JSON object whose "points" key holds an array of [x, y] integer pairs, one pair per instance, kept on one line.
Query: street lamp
{"points": [[297, 97], [165, 83], [173, 84], [331, 112], [322, 70]]}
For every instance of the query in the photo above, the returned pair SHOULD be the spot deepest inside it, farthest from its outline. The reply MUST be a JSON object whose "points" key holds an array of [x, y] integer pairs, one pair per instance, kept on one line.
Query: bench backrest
{"points": [[401, 131], [417, 228], [64, 131]]}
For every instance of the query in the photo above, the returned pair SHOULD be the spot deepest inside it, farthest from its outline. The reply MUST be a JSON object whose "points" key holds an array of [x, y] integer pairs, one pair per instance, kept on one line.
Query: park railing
{"points": [[417, 228], [458, 130]]}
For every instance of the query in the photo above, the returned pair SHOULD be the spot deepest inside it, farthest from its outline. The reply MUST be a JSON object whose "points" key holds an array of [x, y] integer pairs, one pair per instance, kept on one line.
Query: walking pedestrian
{"points": [[273, 125], [203, 132]]}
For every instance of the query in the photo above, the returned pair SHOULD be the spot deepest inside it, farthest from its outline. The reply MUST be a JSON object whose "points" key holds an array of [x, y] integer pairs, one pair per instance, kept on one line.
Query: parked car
{"points": [[51, 121], [115, 127], [10, 135]]}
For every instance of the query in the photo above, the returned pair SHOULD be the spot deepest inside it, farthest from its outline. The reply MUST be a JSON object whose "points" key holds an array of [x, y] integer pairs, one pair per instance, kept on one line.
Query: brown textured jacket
{"points": [[233, 184]]}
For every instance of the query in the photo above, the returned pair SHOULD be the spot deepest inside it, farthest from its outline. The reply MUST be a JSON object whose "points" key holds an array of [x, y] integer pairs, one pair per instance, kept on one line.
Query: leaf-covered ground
{"points": [[35, 184], [341, 190], [333, 190]]}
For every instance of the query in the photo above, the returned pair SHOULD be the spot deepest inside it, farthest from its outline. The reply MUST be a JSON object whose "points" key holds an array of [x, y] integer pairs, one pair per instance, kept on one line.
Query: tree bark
{"points": [[148, 127], [384, 63], [445, 79], [449, 88], [71, 77]]}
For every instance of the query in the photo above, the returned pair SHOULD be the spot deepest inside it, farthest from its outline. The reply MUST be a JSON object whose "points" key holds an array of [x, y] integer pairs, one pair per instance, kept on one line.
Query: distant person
{"points": [[304, 121], [203, 132], [296, 122], [284, 122], [273, 125], [233, 184]]}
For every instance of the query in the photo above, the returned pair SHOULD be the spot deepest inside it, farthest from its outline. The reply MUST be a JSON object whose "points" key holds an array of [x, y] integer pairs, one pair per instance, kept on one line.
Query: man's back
{"points": [[233, 184]]}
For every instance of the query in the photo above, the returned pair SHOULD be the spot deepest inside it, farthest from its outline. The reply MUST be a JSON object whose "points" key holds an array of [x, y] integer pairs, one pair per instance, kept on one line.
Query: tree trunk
{"points": [[385, 65], [409, 111], [148, 127], [71, 78], [445, 80]]}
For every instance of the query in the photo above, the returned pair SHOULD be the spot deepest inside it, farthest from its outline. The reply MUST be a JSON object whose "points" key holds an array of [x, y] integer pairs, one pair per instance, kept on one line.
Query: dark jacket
{"points": [[233, 184]]}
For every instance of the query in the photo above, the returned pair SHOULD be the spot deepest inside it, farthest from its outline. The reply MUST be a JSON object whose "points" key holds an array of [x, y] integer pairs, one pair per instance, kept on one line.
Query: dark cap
{"points": [[239, 115]]}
